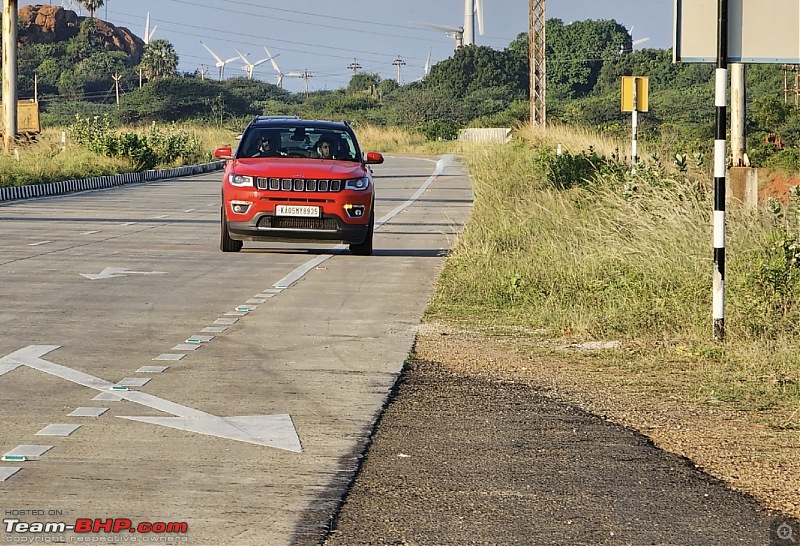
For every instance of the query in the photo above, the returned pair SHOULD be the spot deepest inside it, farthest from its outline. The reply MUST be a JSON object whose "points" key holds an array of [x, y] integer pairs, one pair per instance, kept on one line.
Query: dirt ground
{"points": [[488, 443], [775, 184]]}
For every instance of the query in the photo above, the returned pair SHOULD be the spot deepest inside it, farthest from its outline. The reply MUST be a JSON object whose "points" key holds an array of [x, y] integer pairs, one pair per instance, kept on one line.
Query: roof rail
{"points": [[276, 117]]}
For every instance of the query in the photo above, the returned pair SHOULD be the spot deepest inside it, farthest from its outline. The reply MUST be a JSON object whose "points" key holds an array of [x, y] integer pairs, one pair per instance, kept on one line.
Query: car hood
{"points": [[298, 168]]}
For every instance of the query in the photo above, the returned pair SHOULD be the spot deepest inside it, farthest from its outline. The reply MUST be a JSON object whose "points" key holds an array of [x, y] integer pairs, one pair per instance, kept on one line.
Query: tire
{"points": [[226, 244], [365, 248]]}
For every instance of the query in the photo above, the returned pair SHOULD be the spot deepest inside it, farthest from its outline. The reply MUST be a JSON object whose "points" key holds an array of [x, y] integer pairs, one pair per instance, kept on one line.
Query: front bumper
{"points": [[268, 227]]}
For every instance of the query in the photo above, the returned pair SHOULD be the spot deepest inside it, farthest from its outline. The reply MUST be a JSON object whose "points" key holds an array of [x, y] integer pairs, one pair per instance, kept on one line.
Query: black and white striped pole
{"points": [[720, 162]]}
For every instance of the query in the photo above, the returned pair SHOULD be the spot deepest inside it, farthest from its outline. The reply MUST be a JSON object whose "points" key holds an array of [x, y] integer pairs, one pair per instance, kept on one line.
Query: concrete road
{"points": [[148, 378]]}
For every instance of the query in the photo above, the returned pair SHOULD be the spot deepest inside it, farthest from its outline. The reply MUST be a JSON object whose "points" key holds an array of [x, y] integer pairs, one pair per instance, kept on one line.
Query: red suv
{"points": [[292, 179]]}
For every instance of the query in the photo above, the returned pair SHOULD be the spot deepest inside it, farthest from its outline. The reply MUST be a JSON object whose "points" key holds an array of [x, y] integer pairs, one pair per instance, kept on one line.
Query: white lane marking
{"points": [[134, 381], [185, 347], [31, 451], [113, 272], [128, 223], [152, 369], [441, 165], [228, 321], [189, 210], [58, 430], [85, 411], [266, 430], [40, 243], [7, 472], [90, 232], [167, 356], [160, 216], [301, 271]]}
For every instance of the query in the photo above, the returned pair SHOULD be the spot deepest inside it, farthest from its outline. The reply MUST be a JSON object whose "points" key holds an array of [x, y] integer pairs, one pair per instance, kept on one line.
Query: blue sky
{"points": [[325, 36]]}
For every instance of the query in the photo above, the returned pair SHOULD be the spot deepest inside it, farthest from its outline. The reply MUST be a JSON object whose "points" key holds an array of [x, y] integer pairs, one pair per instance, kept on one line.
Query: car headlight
{"points": [[358, 184], [240, 180]]}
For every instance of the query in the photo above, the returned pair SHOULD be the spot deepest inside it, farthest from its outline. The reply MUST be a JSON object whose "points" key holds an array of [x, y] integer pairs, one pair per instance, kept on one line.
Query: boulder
{"points": [[44, 24]]}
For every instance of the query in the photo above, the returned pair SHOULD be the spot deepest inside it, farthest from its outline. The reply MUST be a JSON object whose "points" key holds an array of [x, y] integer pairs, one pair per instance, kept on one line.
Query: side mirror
{"points": [[373, 158], [224, 152]]}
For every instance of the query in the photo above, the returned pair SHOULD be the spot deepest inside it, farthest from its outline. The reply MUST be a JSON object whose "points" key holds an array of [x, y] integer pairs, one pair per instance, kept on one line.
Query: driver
{"points": [[268, 146]]}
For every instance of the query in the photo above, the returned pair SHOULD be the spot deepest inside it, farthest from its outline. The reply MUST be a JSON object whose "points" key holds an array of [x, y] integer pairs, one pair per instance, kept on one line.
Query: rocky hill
{"points": [[44, 24]]}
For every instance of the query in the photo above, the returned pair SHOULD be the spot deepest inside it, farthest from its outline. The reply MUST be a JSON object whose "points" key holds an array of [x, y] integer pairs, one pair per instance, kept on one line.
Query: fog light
{"points": [[240, 207], [354, 211]]}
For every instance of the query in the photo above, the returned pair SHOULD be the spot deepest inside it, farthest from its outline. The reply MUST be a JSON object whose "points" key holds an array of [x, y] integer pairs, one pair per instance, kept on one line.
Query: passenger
{"points": [[343, 149]]}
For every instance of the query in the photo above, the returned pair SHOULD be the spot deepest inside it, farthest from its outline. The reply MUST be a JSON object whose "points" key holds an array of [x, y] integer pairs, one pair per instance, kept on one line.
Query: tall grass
{"points": [[611, 255]]}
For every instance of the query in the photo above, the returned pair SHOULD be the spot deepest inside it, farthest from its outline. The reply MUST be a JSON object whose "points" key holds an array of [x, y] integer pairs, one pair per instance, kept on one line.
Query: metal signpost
{"points": [[635, 93], [746, 32]]}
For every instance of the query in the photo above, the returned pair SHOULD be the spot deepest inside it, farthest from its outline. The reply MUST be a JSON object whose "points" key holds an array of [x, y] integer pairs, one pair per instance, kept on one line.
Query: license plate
{"points": [[297, 210]]}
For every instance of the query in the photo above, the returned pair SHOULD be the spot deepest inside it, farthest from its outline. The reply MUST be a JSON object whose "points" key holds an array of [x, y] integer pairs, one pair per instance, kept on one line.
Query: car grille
{"points": [[285, 222], [298, 184]]}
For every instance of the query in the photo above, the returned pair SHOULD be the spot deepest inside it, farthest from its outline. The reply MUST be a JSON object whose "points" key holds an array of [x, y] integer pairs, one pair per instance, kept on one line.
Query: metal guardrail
{"points": [[12, 193]]}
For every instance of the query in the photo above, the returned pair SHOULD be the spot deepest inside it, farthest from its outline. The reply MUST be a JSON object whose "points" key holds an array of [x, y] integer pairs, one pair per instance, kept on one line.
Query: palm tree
{"points": [[159, 60], [92, 6]]}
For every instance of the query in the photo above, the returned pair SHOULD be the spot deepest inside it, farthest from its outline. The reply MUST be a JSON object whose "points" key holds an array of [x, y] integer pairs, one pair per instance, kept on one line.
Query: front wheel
{"points": [[365, 248], [226, 244]]}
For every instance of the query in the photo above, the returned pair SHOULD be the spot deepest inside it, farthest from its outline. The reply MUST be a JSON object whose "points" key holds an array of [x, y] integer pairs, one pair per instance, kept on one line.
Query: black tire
{"points": [[226, 244], [365, 248]]}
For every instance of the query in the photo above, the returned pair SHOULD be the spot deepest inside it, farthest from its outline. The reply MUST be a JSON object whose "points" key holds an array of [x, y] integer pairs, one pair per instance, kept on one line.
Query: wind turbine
{"points": [[148, 32], [248, 66], [427, 68], [473, 9], [634, 43], [220, 63], [451, 32], [279, 80]]}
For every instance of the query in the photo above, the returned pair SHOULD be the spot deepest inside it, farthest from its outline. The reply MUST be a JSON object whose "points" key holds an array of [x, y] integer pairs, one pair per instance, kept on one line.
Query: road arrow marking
{"points": [[265, 430], [111, 272]]}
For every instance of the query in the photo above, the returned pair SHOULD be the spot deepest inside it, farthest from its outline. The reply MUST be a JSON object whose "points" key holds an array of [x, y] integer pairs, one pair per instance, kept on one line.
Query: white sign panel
{"points": [[759, 31]]}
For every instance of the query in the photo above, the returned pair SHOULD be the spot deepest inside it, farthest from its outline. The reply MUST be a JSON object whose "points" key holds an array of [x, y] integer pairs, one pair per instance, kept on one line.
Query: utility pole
{"points": [[738, 112], [354, 66], [140, 78], [398, 62], [9, 28], [306, 75], [538, 66], [116, 78], [36, 88]]}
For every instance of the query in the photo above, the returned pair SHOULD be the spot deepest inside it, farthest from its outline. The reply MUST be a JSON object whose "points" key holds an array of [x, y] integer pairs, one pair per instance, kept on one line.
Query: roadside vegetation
{"points": [[572, 248]]}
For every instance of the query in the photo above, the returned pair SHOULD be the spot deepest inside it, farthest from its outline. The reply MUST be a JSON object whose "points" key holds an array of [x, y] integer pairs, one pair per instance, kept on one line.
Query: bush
{"points": [[143, 150]]}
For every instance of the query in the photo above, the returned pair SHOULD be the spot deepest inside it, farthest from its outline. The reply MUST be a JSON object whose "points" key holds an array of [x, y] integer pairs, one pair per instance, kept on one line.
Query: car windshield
{"points": [[298, 141]]}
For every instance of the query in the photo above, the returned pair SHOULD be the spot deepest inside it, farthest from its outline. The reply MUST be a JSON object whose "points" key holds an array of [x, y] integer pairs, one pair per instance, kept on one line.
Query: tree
{"points": [[576, 53], [159, 60], [92, 6], [478, 67], [363, 82]]}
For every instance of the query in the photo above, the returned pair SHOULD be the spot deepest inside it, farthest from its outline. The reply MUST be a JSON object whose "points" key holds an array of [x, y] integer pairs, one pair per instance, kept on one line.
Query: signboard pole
{"points": [[720, 161], [634, 125]]}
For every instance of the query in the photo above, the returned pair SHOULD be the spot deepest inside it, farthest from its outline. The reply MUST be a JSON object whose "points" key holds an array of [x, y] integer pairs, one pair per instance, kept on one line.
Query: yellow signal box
{"points": [[637, 86]]}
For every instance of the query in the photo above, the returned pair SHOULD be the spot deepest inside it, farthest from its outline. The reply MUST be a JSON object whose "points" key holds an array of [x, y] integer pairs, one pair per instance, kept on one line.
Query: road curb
{"points": [[13, 193]]}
